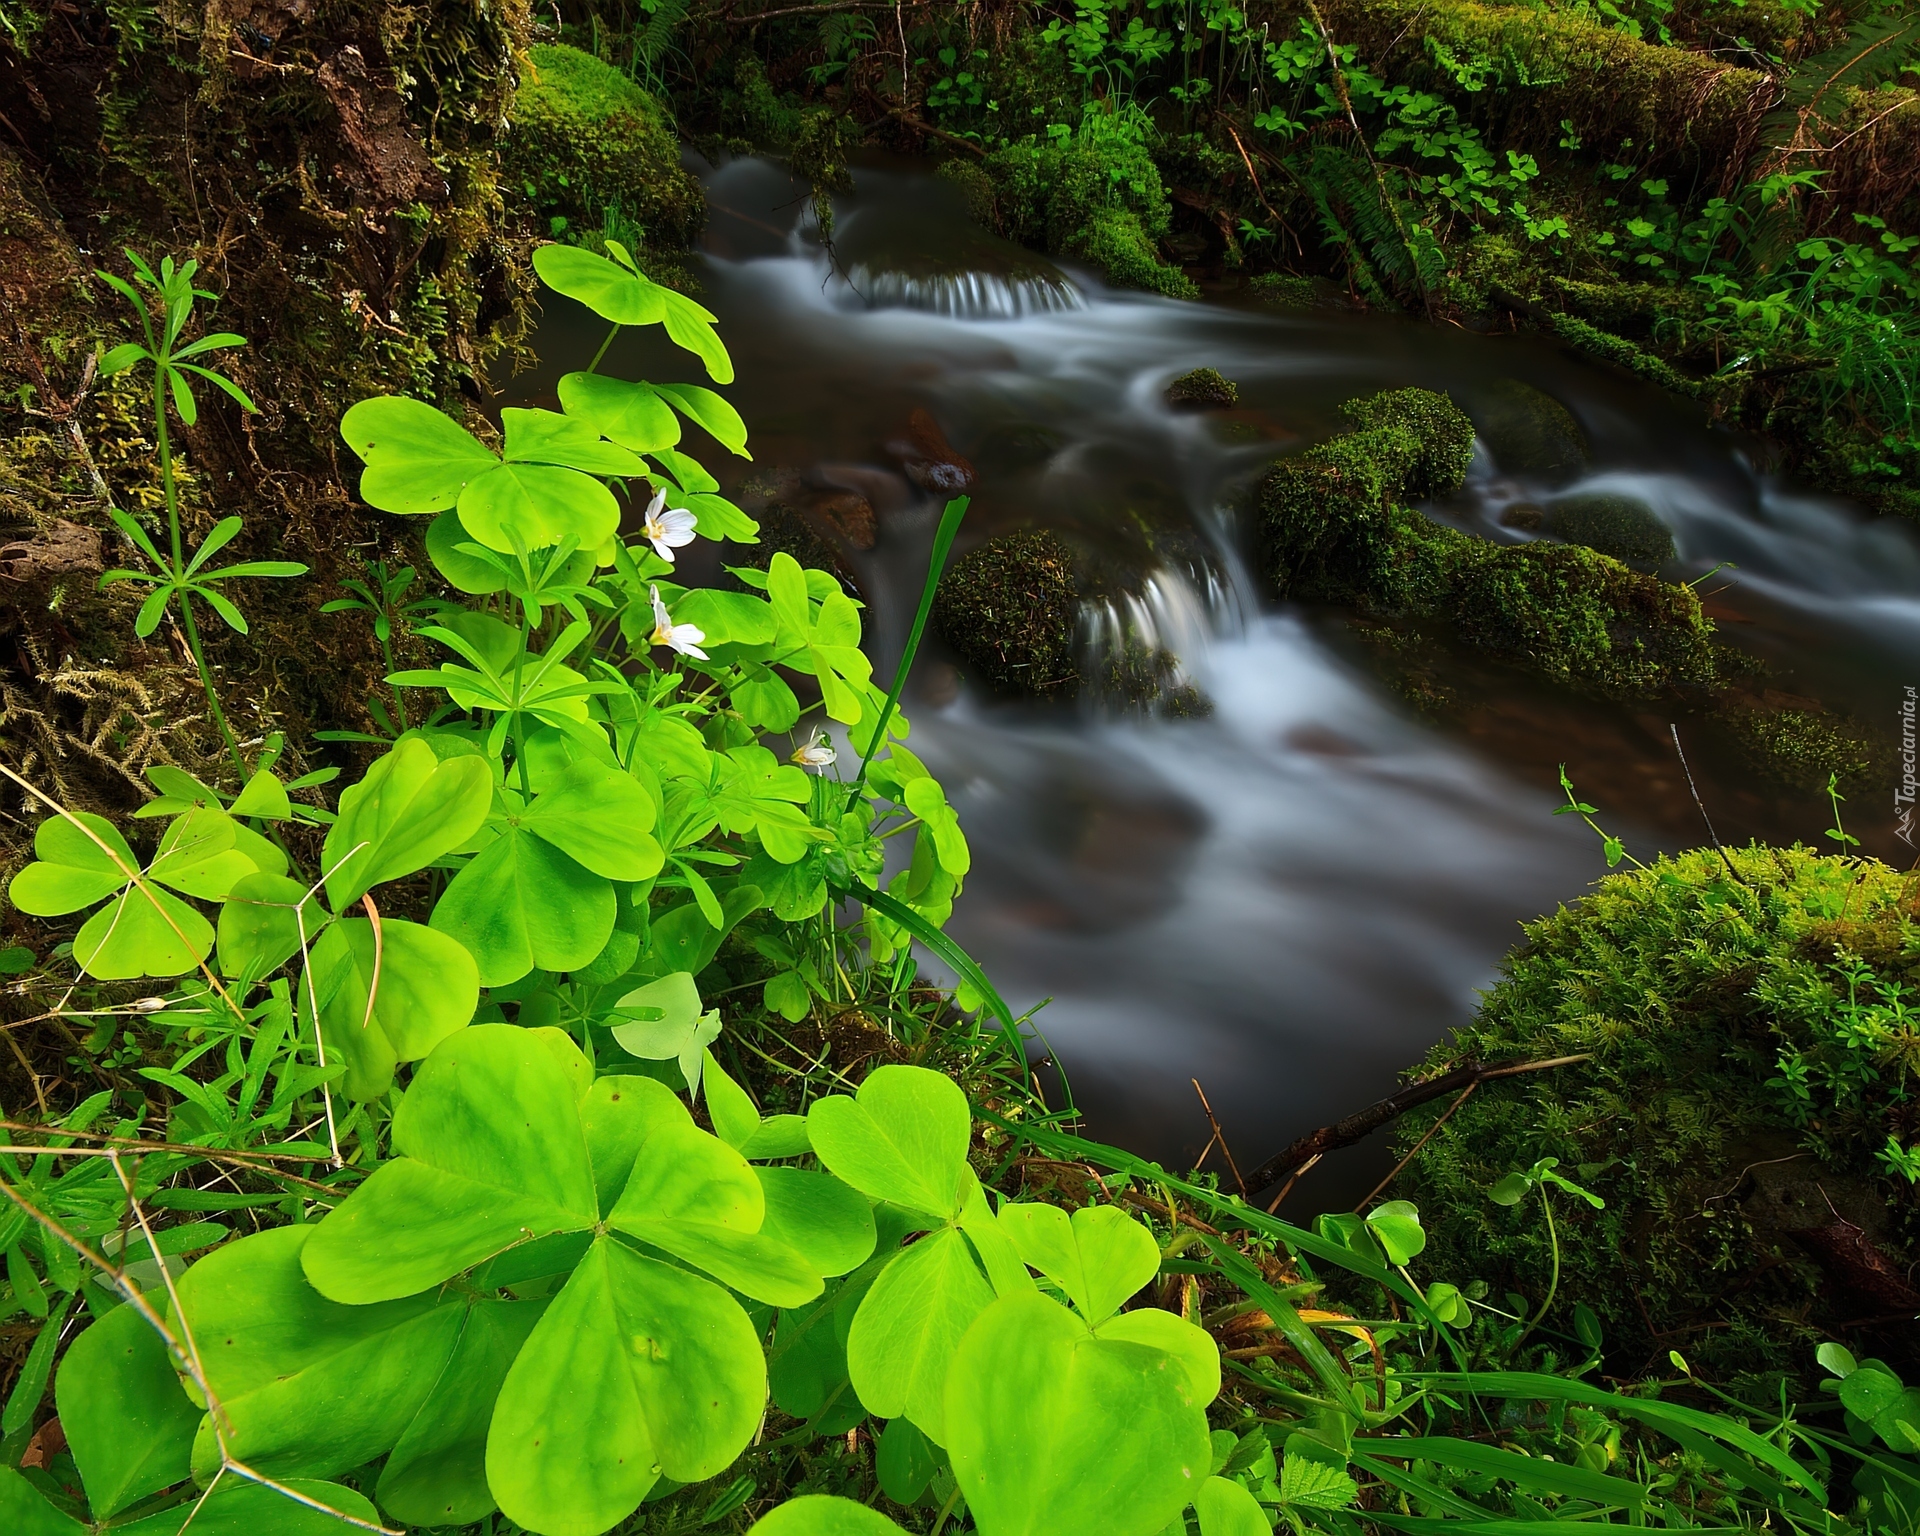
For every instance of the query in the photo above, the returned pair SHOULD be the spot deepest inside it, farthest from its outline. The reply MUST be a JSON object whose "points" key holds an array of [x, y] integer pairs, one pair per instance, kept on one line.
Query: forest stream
{"points": [[1290, 898]]}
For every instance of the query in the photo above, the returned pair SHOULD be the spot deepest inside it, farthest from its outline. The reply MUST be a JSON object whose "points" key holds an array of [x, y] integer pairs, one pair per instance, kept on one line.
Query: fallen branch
{"points": [[1356, 1127]]}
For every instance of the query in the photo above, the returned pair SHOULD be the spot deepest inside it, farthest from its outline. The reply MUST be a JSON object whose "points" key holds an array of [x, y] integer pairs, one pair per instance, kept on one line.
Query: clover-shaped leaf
{"points": [[1053, 1427], [490, 1153], [410, 809], [615, 291], [1099, 1256], [903, 1137]]}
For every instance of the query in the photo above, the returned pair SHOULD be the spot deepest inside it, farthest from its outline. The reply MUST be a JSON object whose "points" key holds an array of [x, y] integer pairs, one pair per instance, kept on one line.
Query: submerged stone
{"points": [[1528, 431], [1203, 389], [1621, 526]]}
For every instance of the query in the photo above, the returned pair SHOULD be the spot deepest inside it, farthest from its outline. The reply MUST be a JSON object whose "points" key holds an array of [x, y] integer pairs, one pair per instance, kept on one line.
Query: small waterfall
{"points": [[1140, 649], [968, 295]]}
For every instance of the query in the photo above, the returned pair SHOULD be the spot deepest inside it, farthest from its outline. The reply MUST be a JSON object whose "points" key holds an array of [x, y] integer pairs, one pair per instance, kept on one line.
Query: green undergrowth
{"points": [[1744, 1104]]}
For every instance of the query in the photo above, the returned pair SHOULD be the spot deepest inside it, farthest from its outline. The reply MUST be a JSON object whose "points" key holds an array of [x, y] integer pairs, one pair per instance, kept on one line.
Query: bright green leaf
{"points": [[492, 1154]]}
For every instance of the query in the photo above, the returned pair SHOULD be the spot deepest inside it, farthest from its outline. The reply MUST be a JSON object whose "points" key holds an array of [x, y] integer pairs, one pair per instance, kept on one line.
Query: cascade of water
{"points": [[967, 295]]}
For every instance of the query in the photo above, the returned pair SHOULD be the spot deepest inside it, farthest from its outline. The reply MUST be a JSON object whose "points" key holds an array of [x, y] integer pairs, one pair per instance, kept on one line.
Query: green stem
{"points": [[945, 1510], [1553, 1283], [399, 704], [191, 630], [595, 364]]}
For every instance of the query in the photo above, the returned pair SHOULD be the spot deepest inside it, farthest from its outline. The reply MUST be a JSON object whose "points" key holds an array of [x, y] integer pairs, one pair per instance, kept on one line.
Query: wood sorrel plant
{"points": [[164, 310]]}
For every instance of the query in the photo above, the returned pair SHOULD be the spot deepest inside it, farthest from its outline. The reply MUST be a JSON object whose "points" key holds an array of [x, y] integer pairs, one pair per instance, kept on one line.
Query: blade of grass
{"points": [[943, 538]]}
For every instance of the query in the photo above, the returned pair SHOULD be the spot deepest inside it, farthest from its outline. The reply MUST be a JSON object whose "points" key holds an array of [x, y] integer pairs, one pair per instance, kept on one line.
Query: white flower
{"points": [[817, 753], [665, 530], [684, 638]]}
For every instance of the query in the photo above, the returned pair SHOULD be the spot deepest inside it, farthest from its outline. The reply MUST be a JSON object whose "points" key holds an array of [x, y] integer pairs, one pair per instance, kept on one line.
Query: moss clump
{"points": [[1288, 294], [1103, 203], [585, 138], [1723, 1115], [1203, 389], [1010, 609], [975, 187], [1330, 523], [1583, 620], [1528, 431], [1335, 528], [1621, 526], [1442, 434], [1610, 88], [1798, 748]]}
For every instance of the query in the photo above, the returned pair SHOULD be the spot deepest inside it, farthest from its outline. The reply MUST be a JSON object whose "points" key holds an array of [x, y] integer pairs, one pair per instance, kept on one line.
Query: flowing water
{"points": [[1292, 897]]}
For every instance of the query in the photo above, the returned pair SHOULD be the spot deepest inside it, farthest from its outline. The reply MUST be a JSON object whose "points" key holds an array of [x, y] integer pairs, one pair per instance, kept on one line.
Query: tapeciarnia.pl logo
{"points": [[1903, 794]]}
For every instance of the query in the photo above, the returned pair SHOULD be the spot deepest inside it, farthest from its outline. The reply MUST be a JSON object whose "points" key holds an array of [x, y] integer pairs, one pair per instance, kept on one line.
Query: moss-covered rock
{"points": [[1336, 528], [1745, 1069], [1329, 514], [975, 187], [1798, 748], [1103, 203], [1621, 526], [1528, 431], [1441, 432], [1203, 389], [1010, 609], [1583, 620], [585, 138]]}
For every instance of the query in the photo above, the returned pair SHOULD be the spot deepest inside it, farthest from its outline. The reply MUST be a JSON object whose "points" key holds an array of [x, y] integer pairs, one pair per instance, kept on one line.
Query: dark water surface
{"points": [[1292, 899]]}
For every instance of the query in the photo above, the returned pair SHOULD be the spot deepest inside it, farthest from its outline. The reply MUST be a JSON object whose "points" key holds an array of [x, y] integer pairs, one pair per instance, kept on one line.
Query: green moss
{"points": [[585, 137], [1288, 294], [1616, 92], [1440, 429], [1203, 389], [1613, 349], [1621, 526], [1010, 609], [1330, 522], [975, 186], [1100, 202], [1335, 528], [1583, 620], [1697, 999], [1528, 431], [1797, 747]]}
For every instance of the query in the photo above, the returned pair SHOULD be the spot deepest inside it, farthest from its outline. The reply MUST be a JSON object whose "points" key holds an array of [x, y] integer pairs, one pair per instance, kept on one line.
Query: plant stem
{"points": [[1553, 1283], [191, 630], [595, 364]]}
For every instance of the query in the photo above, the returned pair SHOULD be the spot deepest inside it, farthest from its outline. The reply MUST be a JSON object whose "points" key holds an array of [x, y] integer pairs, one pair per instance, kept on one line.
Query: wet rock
{"points": [[1528, 431], [850, 514], [1010, 609], [929, 459], [1523, 515], [1620, 526], [1797, 744], [1203, 389], [1337, 528]]}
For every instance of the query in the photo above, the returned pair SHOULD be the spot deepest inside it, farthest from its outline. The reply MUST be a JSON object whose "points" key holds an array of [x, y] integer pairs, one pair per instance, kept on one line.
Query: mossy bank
{"points": [[1738, 1087]]}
